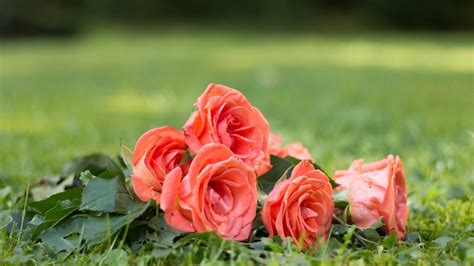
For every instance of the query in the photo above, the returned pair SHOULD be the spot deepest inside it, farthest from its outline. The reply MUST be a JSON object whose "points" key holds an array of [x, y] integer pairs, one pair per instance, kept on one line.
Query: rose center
{"points": [[220, 198], [167, 162], [233, 123]]}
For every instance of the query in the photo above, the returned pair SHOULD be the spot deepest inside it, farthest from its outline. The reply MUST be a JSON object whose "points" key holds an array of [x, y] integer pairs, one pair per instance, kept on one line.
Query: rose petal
{"points": [[302, 168], [145, 192]]}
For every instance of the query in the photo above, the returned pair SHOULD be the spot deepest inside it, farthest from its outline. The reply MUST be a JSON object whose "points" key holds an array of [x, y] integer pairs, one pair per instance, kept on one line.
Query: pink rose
{"points": [[377, 189], [157, 153], [300, 207], [218, 193], [295, 149], [225, 116], [275, 147]]}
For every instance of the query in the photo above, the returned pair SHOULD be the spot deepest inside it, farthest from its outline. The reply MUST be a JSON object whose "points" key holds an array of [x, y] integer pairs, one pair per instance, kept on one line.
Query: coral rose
{"points": [[157, 153], [295, 149], [225, 116], [300, 207], [218, 193], [377, 189]]}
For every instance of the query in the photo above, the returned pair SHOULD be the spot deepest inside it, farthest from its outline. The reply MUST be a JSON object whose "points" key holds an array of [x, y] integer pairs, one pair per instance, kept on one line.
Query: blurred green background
{"points": [[351, 79]]}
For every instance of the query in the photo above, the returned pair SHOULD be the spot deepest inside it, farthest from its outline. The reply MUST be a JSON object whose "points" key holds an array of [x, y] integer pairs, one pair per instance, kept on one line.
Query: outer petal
{"points": [[192, 128], [275, 146], [141, 145], [170, 202], [302, 168], [345, 177], [170, 189], [298, 151], [394, 206], [162, 132], [263, 167], [144, 191], [213, 90], [209, 154], [263, 164], [363, 216]]}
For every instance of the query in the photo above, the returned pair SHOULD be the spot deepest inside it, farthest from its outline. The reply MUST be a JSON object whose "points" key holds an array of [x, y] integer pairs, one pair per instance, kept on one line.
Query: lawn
{"points": [[345, 96]]}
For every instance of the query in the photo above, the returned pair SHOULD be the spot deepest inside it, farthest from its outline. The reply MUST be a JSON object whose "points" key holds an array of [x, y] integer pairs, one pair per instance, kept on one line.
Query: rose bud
{"points": [[377, 189], [156, 154], [300, 207], [225, 116]]}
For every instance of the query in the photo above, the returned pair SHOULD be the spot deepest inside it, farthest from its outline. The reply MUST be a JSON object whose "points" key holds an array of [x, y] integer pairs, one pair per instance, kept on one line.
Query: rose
{"points": [[157, 152], [295, 149], [300, 207], [275, 147], [218, 193], [377, 189], [225, 116]]}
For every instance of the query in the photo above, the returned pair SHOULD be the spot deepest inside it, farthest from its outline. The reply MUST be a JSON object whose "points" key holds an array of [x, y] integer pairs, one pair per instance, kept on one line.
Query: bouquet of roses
{"points": [[224, 172], [215, 173]]}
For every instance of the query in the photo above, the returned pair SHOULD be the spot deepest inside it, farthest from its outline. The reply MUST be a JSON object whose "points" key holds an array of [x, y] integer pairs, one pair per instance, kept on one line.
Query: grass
{"points": [[345, 96]]}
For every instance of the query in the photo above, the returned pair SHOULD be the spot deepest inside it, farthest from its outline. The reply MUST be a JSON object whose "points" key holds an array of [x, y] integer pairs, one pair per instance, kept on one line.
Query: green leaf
{"points": [[4, 192], [161, 252], [55, 215], [413, 237], [85, 177], [469, 228], [332, 182], [372, 235], [331, 246], [65, 236], [167, 234], [274, 244], [127, 155], [18, 258], [341, 198], [19, 218], [443, 241], [45, 187], [258, 229], [97, 228], [280, 166], [116, 257], [338, 229], [261, 196], [97, 164], [45, 205], [5, 219], [91, 229], [54, 209], [389, 241], [185, 158], [107, 195]]}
